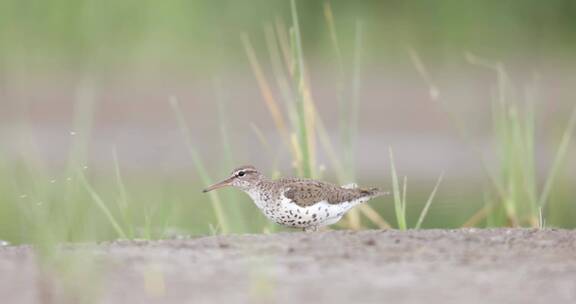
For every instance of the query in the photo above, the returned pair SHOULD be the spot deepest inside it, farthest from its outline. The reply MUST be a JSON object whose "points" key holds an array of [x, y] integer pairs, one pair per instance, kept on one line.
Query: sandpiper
{"points": [[297, 202]]}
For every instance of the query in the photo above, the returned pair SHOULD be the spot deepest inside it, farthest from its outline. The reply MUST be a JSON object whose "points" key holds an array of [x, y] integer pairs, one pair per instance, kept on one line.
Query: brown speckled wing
{"points": [[309, 192], [305, 194]]}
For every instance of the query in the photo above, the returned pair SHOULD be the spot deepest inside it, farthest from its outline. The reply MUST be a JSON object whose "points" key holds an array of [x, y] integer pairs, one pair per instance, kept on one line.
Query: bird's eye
{"points": [[241, 173]]}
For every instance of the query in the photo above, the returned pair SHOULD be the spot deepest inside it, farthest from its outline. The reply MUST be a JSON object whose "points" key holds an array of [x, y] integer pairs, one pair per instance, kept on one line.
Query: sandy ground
{"points": [[430, 266]]}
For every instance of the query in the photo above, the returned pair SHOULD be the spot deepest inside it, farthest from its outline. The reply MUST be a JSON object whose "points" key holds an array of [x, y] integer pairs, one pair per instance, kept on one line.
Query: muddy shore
{"points": [[377, 266]]}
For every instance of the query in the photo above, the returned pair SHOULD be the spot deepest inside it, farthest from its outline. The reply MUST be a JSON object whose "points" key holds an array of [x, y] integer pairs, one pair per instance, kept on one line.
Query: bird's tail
{"points": [[374, 192], [371, 193]]}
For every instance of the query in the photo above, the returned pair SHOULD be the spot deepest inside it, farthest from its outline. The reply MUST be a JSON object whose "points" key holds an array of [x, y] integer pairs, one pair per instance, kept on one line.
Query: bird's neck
{"points": [[257, 190]]}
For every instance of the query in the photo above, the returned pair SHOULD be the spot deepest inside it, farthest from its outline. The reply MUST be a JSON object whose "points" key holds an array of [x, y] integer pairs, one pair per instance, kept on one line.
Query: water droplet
{"points": [[23, 195], [52, 181], [85, 167], [68, 179], [4, 243], [72, 133]]}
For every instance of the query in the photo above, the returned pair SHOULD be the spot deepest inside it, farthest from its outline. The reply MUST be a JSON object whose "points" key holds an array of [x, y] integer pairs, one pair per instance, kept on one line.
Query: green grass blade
{"points": [[103, 207], [541, 219], [200, 169], [299, 79], [558, 159], [404, 188], [355, 96], [428, 203], [265, 89], [279, 70], [123, 199], [398, 199], [343, 106], [225, 138]]}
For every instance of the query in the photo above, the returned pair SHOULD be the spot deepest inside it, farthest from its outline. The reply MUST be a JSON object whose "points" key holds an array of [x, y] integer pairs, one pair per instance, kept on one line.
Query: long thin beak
{"points": [[221, 184]]}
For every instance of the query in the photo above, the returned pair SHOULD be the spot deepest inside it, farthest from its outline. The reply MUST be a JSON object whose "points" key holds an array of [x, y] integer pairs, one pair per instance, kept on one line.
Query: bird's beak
{"points": [[218, 185]]}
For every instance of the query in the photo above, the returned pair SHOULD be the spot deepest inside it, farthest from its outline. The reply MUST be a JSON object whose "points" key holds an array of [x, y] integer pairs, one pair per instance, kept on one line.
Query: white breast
{"points": [[319, 214], [284, 212]]}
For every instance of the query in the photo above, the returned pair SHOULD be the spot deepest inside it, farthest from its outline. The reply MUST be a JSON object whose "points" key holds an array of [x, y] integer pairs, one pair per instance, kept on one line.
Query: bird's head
{"points": [[244, 178]]}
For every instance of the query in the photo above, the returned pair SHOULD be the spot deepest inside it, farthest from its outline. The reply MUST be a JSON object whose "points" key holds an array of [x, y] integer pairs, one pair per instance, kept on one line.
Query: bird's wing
{"points": [[308, 192], [305, 192]]}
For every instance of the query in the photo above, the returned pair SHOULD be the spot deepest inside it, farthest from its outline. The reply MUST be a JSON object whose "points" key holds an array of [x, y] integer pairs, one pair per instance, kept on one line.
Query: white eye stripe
{"points": [[243, 172]]}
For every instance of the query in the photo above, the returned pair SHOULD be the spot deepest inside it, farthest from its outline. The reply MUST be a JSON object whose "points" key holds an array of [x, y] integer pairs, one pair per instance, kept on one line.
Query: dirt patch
{"points": [[431, 266]]}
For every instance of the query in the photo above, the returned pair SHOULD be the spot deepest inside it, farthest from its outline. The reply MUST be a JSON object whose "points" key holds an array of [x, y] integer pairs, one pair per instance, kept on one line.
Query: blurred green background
{"points": [[91, 148], [204, 34]]}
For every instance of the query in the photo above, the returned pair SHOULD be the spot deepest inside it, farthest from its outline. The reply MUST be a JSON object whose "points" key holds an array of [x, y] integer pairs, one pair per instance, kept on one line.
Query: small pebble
{"points": [[370, 242]]}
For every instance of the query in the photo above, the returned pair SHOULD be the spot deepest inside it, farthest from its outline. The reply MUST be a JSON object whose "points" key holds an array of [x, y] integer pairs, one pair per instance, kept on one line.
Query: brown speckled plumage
{"points": [[297, 202], [307, 192]]}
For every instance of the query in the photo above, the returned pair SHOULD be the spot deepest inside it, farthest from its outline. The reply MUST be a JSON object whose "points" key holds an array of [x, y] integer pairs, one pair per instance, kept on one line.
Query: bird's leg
{"points": [[311, 229]]}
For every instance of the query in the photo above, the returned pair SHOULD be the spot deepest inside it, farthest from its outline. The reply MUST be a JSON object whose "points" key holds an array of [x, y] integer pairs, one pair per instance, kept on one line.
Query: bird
{"points": [[297, 202]]}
